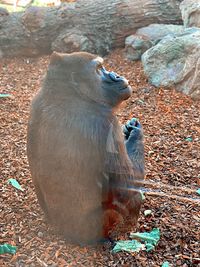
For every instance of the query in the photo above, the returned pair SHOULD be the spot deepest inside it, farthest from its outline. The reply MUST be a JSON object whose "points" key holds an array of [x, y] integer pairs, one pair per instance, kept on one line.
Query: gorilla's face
{"points": [[115, 88], [85, 74]]}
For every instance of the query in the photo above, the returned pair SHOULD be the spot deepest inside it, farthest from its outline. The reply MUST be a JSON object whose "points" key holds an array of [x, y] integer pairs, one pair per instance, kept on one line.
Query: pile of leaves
{"points": [[171, 123]]}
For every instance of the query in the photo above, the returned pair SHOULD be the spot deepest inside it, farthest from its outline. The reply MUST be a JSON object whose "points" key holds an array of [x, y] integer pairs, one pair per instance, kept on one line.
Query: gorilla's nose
{"points": [[117, 78]]}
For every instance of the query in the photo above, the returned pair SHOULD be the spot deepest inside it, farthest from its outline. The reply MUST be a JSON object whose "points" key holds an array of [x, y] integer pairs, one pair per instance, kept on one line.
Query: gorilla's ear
{"points": [[56, 57]]}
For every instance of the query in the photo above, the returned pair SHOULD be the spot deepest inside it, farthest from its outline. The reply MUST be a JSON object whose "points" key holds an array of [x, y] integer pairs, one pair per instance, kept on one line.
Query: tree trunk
{"points": [[95, 26]]}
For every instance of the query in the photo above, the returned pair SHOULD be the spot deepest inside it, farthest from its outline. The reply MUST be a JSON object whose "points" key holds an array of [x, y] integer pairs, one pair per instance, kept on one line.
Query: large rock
{"points": [[176, 61], [146, 37], [190, 10], [156, 32], [136, 45]]}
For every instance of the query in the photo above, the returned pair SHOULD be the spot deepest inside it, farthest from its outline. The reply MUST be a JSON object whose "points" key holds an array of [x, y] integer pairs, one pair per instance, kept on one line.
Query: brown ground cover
{"points": [[172, 167]]}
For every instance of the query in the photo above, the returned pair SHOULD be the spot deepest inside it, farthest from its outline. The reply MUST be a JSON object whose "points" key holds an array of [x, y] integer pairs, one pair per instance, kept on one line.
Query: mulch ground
{"points": [[171, 123]]}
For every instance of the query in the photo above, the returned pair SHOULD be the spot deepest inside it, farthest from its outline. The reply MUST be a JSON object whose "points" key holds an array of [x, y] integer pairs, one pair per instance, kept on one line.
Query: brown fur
{"points": [[69, 150]]}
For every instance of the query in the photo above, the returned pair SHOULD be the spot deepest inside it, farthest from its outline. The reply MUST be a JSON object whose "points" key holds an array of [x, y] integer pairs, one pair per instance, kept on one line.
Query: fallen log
{"points": [[87, 25]]}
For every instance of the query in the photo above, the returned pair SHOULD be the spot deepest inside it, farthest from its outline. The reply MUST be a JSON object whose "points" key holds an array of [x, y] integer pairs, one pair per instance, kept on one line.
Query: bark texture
{"points": [[94, 26]]}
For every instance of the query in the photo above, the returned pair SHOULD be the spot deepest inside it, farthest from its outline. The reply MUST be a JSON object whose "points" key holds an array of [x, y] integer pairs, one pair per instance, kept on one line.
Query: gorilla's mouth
{"points": [[125, 92], [126, 88]]}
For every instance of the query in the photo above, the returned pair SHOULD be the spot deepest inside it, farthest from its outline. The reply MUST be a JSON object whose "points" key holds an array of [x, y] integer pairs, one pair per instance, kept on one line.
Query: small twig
{"points": [[42, 263], [184, 199], [158, 184]]}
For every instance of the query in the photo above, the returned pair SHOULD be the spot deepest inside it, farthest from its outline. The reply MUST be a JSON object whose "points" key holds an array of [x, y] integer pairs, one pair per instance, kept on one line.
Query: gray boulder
{"points": [[190, 10], [175, 60], [136, 45], [146, 37], [155, 32]]}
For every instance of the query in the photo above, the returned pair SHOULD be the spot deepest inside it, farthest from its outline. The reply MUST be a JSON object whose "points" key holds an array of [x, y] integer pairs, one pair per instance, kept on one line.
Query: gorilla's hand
{"points": [[134, 145], [132, 130]]}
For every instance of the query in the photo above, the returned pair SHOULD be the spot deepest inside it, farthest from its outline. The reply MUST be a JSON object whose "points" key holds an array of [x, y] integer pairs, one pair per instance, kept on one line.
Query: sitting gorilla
{"points": [[84, 172]]}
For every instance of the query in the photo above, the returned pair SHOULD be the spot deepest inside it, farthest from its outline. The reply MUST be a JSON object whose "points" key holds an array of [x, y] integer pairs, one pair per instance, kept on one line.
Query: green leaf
{"points": [[6, 248], [165, 264], [15, 184], [151, 239], [128, 245], [148, 241], [142, 195], [147, 212], [189, 139], [149, 246], [4, 95], [198, 191]]}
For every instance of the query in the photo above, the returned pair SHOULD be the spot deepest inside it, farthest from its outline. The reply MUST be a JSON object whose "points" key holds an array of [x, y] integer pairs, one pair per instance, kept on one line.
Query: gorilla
{"points": [[82, 162]]}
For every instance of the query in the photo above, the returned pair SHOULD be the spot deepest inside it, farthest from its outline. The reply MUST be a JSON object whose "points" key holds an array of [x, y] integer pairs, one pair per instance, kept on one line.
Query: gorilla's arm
{"points": [[116, 194]]}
